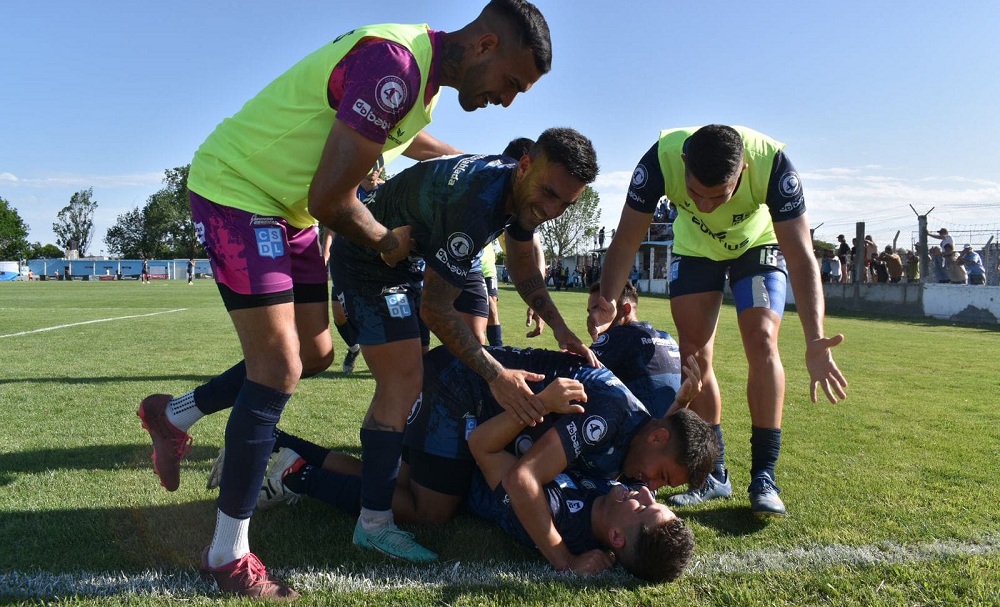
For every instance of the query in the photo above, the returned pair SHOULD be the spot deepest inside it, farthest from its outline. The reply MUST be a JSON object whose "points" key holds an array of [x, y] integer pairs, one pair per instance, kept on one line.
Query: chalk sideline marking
{"points": [[40, 584], [90, 322]]}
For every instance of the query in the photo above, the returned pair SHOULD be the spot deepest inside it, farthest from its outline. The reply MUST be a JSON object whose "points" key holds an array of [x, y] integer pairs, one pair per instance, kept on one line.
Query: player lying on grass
{"points": [[594, 515]]}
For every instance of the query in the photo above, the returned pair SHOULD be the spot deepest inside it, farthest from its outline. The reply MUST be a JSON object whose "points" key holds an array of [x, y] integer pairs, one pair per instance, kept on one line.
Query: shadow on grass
{"points": [[91, 457], [732, 520], [111, 379]]}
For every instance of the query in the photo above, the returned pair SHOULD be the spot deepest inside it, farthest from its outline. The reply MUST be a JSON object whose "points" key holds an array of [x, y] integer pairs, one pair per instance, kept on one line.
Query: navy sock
{"points": [[380, 451], [765, 446], [311, 452], [347, 333], [719, 472], [342, 491], [249, 441], [494, 335], [220, 392]]}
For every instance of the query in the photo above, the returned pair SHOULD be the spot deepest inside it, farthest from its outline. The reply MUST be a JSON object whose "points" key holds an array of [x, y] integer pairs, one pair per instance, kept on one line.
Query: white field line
{"points": [[90, 322], [186, 583]]}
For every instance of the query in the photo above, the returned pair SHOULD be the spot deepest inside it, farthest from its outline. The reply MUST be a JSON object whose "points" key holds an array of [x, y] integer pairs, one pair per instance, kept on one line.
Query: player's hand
{"points": [[511, 391], [600, 316], [534, 317], [823, 371], [401, 252], [591, 562], [690, 387], [569, 342], [563, 395]]}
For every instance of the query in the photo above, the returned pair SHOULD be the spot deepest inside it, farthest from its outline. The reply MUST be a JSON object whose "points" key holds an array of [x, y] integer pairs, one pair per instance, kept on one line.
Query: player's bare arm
{"points": [[509, 386], [425, 147], [796, 245], [617, 262], [347, 159]]}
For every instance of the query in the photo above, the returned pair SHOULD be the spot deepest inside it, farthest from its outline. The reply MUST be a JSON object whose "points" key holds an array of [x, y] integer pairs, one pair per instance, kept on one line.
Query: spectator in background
{"points": [[943, 236], [836, 268], [912, 267], [879, 269], [824, 267], [954, 266], [871, 253], [893, 264], [973, 265], [843, 253], [938, 265], [190, 271]]}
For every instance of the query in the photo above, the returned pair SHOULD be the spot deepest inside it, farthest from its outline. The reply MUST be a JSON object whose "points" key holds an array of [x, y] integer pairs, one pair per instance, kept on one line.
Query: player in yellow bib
{"points": [[741, 214]]}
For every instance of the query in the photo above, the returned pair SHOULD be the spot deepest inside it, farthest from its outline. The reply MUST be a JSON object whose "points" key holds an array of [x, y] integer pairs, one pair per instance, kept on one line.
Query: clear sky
{"points": [[881, 104]]}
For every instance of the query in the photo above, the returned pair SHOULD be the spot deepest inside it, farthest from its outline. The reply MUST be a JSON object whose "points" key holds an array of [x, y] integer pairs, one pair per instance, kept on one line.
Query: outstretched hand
{"points": [[690, 387], [823, 371], [600, 316], [534, 317]]}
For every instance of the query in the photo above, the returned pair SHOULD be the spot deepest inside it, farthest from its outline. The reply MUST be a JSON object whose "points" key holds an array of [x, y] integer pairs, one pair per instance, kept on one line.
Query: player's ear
{"points": [[616, 537], [659, 437]]}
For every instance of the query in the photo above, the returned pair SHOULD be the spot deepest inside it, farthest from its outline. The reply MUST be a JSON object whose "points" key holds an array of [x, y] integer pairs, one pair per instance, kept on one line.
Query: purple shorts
{"points": [[256, 255]]}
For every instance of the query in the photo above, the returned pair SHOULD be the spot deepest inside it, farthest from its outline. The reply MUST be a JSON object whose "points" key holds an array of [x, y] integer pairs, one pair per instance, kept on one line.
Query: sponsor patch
{"points": [[391, 93], [594, 429], [270, 242], [790, 185], [399, 305], [460, 245], [574, 505], [521, 444], [639, 177]]}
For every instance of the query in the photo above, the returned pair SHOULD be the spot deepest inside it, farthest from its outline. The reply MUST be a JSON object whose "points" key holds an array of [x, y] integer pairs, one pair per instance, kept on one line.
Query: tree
{"points": [[163, 228], [568, 233], [75, 223], [13, 233], [49, 251]]}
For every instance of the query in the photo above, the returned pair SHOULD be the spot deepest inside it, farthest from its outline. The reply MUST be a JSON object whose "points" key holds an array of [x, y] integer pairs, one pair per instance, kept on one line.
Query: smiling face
{"points": [[542, 190], [495, 77]]}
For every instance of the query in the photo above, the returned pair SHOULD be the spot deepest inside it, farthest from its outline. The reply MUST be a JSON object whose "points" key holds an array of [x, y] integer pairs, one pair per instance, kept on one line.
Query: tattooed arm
{"points": [[509, 386], [531, 285]]}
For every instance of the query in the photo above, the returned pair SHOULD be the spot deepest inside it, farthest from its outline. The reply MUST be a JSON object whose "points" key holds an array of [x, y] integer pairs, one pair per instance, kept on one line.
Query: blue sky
{"points": [[881, 104]]}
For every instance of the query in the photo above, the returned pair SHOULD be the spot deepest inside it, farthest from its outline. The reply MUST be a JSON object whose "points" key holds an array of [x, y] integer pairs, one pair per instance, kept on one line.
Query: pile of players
{"points": [[532, 439]]}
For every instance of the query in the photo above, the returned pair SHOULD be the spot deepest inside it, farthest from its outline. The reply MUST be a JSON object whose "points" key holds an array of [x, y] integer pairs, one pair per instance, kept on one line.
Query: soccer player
{"points": [[452, 207], [648, 361], [740, 205], [294, 154]]}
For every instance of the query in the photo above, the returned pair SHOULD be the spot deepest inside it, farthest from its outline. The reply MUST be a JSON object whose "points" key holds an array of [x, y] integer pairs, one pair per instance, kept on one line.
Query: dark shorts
{"points": [[472, 300], [757, 278], [259, 261], [441, 474], [492, 287], [392, 315], [977, 279]]}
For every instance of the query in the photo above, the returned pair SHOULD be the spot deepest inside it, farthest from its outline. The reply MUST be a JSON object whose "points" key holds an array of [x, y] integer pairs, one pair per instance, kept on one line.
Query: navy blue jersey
{"points": [[571, 500], [644, 196], [455, 400], [647, 361], [455, 206]]}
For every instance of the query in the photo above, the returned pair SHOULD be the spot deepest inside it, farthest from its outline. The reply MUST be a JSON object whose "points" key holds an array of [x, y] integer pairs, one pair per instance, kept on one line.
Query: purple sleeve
{"points": [[374, 87]]}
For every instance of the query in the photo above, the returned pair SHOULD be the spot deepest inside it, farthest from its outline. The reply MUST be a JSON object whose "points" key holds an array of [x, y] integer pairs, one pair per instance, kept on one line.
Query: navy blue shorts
{"points": [[392, 315], [757, 278], [472, 300], [492, 286]]}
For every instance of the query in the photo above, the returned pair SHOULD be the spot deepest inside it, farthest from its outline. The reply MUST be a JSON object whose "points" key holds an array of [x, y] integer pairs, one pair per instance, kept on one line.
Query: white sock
{"points": [[355, 348], [231, 540], [182, 412], [375, 519]]}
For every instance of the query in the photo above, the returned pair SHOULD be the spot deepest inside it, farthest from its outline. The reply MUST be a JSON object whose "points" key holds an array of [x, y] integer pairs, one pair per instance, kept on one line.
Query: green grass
{"points": [[909, 462]]}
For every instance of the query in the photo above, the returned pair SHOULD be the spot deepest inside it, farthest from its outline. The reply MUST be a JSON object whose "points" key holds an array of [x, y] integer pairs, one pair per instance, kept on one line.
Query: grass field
{"points": [[892, 494]]}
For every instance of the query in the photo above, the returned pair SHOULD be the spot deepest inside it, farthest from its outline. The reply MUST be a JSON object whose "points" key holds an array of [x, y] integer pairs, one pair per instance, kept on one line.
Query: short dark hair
{"points": [[714, 154], [518, 147], [528, 25], [660, 553], [629, 292], [569, 148], [695, 446]]}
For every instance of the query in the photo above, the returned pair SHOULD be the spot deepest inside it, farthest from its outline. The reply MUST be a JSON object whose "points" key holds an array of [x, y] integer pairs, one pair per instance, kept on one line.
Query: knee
{"points": [[317, 363]]}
